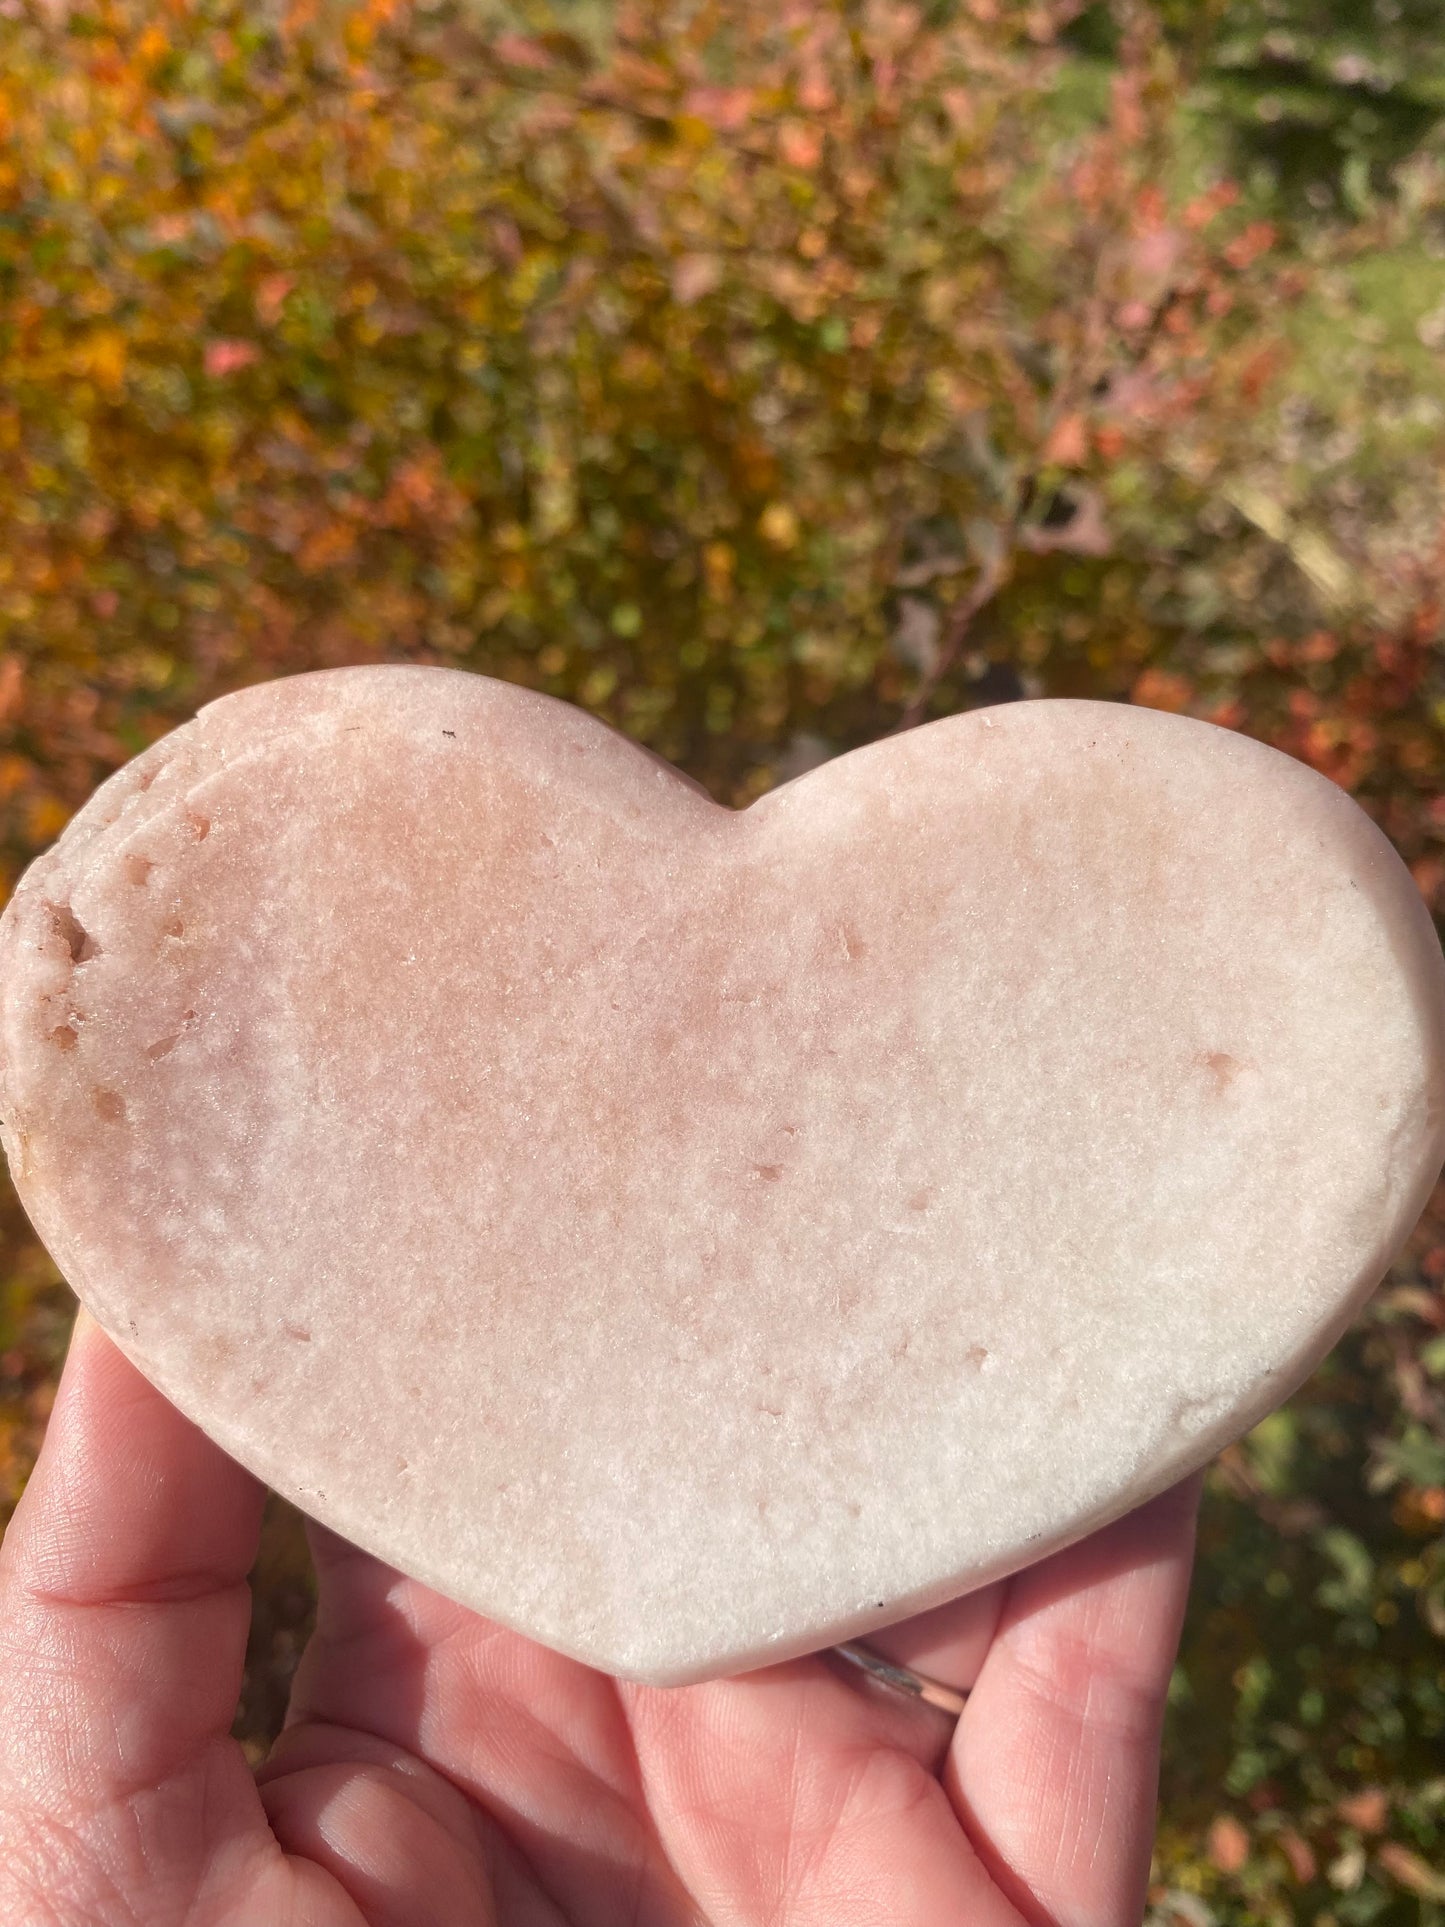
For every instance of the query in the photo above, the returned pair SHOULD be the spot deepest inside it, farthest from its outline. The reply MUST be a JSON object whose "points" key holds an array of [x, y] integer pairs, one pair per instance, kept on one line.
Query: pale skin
{"points": [[439, 1771]]}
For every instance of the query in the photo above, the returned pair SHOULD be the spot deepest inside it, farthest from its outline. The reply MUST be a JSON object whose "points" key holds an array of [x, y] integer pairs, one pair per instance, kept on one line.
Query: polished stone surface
{"points": [[696, 1237]]}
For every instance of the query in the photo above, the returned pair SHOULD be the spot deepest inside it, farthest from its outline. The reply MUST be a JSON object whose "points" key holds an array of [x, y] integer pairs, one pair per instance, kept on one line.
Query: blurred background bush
{"points": [[764, 374]]}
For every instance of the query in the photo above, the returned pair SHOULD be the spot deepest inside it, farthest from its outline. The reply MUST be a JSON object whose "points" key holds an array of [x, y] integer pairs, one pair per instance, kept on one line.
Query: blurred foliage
{"points": [[764, 374], [1318, 100]]}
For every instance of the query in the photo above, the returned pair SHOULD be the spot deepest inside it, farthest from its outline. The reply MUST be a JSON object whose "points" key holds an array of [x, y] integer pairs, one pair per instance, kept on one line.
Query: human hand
{"points": [[438, 1771]]}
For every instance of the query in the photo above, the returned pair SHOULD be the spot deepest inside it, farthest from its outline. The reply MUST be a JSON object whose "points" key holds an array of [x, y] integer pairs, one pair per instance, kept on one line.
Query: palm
{"points": [[437, 1771]]}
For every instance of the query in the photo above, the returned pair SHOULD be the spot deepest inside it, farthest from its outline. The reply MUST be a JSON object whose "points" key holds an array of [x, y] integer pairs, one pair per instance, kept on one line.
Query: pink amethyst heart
{"points": [[694, 1237]]}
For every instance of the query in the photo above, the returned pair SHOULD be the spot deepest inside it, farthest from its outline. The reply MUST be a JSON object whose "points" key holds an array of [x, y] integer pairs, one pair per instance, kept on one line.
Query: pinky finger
{"points": [[1054, 1768]]}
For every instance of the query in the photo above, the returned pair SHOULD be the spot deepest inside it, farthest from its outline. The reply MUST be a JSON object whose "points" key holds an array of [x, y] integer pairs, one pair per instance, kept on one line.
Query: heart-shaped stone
{"points": [[693, 1237]]}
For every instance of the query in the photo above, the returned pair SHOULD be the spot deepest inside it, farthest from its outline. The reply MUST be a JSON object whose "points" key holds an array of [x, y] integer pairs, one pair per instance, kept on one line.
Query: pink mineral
{"points": [[694, 1237]]}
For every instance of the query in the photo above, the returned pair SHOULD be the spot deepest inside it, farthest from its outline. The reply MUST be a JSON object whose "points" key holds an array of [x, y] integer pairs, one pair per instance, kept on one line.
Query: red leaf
{"points": [[1299, 1855], [225, 357]]}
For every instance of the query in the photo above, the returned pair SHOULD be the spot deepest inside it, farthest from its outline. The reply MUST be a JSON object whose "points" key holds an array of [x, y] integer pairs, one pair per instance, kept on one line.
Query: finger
{"points": [[537, 1741], [946, 1645], [950, 1642], [123, 1618], [773, 1793], [1054, 1768], [778, 1800], [397, 1838]]}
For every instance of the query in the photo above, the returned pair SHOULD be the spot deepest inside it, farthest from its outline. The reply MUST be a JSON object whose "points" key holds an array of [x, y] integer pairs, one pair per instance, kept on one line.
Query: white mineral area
{"points": [[693, 1237]]}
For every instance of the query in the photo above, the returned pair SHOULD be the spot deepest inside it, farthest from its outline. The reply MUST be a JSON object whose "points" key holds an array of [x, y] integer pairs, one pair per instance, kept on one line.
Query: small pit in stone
{"points": [[977, 1356], [198, 825], [164, 1045], [72, 933], [64, 1037], [109, 1106], [137, 870], [854, 948], [1223, 1068]]}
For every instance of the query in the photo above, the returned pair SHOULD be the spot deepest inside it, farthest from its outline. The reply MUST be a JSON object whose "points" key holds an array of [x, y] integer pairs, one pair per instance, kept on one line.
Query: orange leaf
{"points": [[12, 686], [105, 355], [1245, 249], [332, 542], [1158, 689], [1228, 1843], [271, 293], [800, 146], [1068, 444], [1208, 207], [815, 95]]}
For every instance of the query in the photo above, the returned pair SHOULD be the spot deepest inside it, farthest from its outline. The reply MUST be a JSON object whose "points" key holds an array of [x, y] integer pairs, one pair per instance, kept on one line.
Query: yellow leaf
{"points": [[778, 525], [105, 359], [46, 817]]}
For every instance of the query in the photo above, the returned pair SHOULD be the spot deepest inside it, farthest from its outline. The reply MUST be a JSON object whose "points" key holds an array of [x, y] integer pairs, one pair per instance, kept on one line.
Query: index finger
{"points": [[123, 1617]]}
